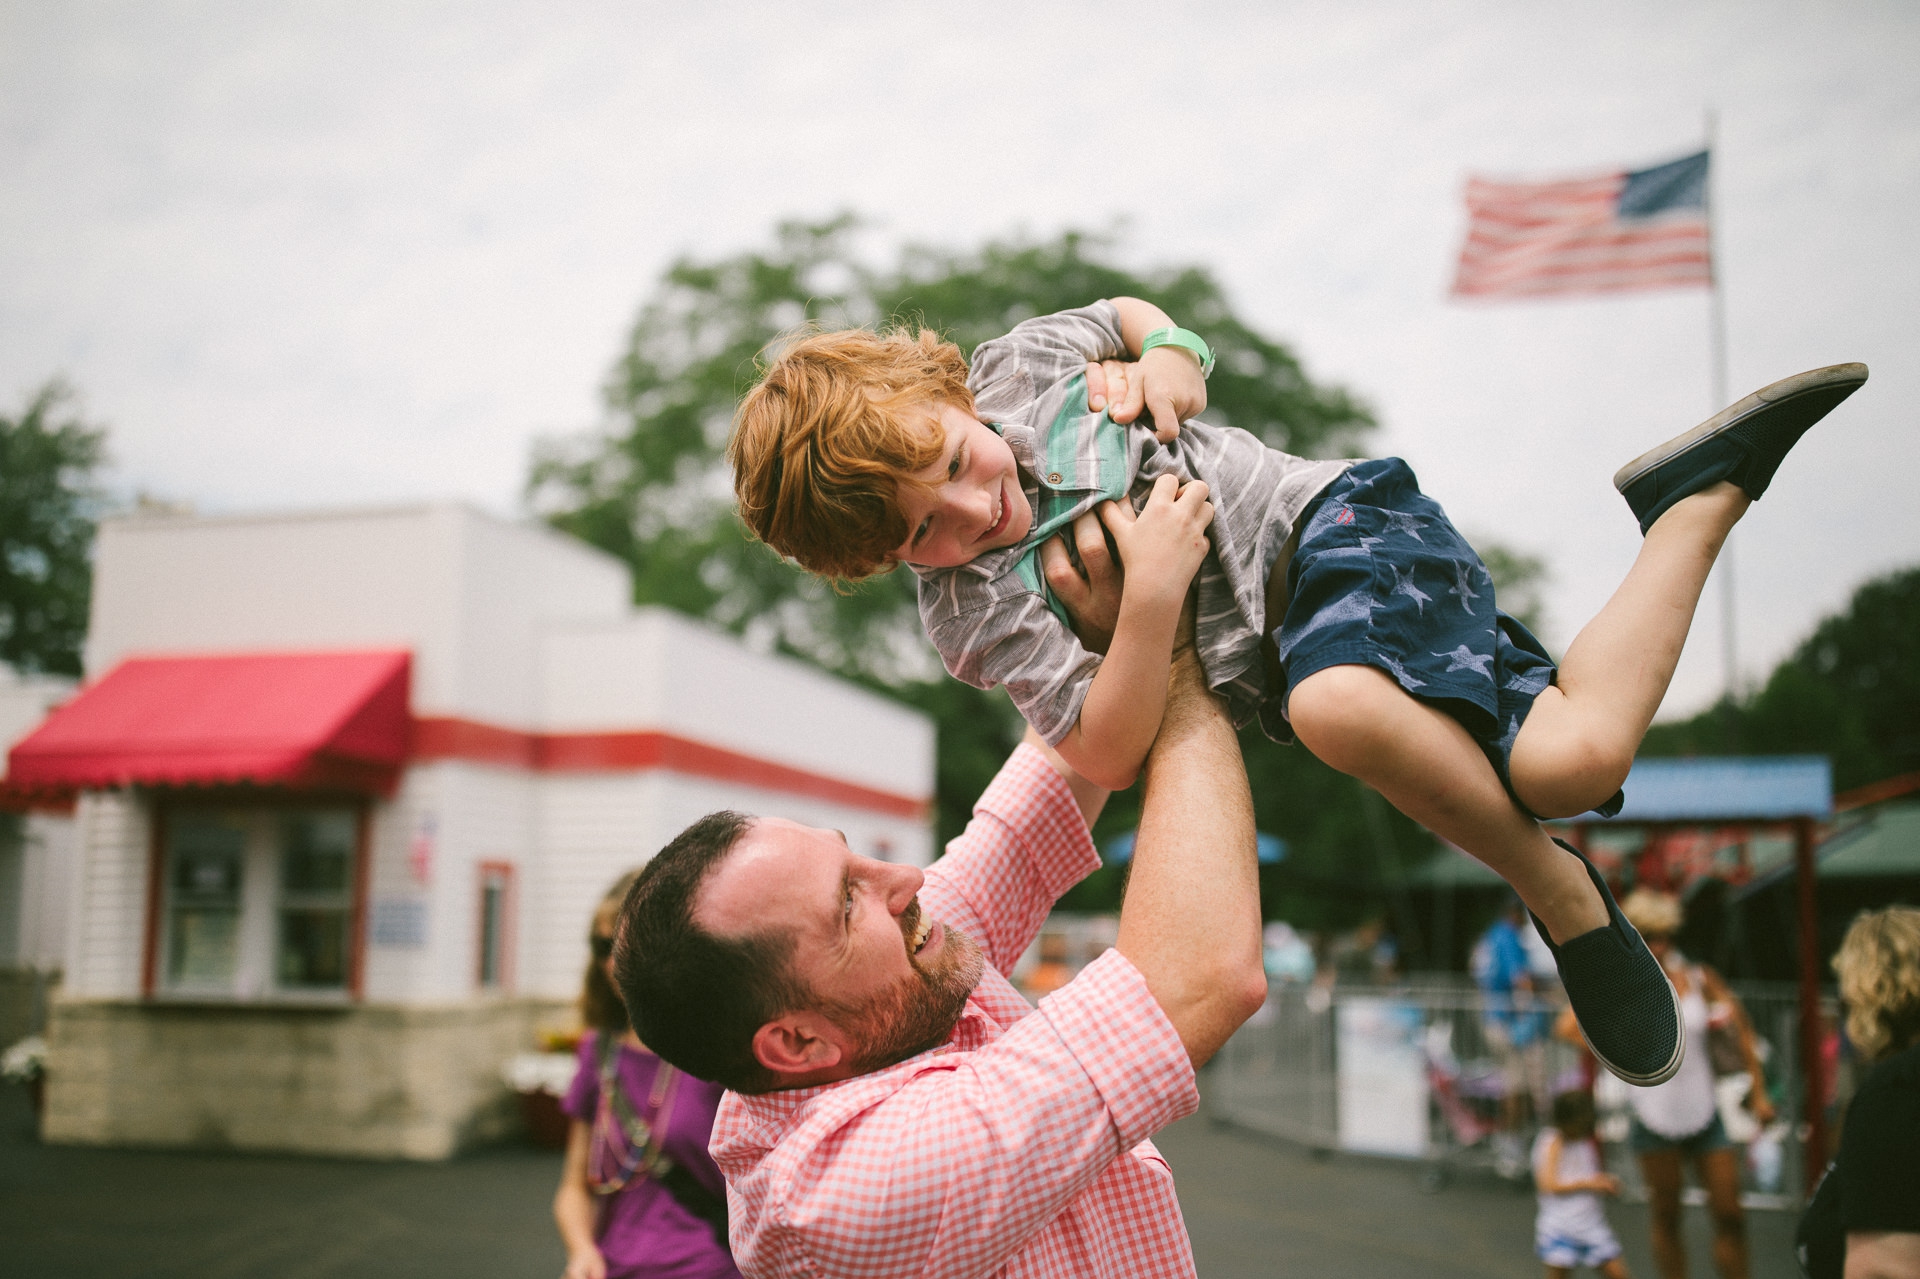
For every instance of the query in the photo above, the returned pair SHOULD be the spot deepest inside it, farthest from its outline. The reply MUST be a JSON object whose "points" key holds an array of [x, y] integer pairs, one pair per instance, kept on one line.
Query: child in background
{"points": [[1571, 1228], [1335, 601]]}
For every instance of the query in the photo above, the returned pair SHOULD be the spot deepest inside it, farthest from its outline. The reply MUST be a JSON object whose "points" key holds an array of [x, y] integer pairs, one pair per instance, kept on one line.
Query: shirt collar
{"points": [[973, 1031]]}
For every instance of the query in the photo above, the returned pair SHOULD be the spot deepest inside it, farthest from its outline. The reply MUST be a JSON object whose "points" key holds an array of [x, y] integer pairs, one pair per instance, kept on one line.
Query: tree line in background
{"points": [[651, 487], [1851, 692]]}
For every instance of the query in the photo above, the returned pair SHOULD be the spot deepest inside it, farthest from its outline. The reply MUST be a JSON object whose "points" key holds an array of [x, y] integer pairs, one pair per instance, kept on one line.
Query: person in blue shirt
{"points": [[1513, 1027]]}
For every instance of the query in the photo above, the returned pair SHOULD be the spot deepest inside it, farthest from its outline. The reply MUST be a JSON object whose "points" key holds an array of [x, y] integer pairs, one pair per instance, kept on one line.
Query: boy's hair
{"points": [[837, 423], [1573, 1113]]}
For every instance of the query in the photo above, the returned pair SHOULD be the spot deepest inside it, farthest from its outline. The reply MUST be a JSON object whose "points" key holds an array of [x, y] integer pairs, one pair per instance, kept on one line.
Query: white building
{"points": [[348, 788], [36, 868]]}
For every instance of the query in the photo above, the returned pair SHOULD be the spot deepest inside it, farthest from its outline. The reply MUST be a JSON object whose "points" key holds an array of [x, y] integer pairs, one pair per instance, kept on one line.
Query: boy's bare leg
{"points": [[1578, 741], [1358, 720], [1615, 1269]]}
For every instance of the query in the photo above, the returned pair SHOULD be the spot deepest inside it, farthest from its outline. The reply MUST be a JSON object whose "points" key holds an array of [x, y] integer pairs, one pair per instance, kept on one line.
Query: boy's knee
{"points": [[1565, 774], [1337, 712]]}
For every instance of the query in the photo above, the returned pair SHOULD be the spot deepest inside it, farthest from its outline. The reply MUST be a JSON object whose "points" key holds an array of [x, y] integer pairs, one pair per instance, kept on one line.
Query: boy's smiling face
{"points": [[973, 502]]}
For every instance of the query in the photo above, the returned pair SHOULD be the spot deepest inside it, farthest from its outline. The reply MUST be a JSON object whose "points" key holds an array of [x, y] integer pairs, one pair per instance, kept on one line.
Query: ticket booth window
{"points": [[316, 898], [258, 900], [206, 855], [496, 925]]}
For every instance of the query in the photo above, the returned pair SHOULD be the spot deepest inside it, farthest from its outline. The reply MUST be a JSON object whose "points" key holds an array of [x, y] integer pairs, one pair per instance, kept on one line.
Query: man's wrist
{"points": [[1189, 700], [1144, 606]]}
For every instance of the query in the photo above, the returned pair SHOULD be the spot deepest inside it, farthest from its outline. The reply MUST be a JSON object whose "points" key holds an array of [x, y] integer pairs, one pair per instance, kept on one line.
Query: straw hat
{"points": [[1652, 912]]}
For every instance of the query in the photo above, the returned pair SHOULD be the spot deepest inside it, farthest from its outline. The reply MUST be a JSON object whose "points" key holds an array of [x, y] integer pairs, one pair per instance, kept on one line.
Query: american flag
{"points": [[1645, 229]]}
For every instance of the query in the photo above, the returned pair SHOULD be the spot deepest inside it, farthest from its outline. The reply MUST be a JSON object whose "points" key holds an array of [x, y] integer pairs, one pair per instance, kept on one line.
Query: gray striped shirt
{"points": [[992, 619]]}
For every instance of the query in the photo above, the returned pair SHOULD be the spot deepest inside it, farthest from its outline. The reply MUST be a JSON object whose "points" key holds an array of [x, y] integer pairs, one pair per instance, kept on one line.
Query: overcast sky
{"points": [[312, 254]]}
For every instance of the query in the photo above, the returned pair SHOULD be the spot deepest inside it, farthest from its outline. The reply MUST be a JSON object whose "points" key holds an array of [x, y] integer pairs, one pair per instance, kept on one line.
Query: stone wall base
{"points": [[382, 1081]]}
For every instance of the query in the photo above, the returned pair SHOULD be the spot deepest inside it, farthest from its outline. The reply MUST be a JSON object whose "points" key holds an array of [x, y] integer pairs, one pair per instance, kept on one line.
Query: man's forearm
{"points": [[1191, 921]]}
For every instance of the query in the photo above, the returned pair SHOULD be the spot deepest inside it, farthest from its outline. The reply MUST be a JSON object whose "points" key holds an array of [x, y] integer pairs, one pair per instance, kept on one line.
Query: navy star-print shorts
{"points": [[1381, 578]]}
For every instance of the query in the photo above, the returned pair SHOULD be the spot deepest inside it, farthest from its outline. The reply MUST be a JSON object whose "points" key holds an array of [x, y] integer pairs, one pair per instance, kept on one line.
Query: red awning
{"points": [[307, 720]]}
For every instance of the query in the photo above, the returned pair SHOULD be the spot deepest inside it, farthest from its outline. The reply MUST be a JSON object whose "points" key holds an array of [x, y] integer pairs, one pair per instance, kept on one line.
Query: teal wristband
{"points": [[1185, 340]]}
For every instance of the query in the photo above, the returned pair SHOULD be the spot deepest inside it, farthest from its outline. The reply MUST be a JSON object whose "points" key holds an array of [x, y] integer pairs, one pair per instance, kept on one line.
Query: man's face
{"points": [[974, 503], [893, 981]]}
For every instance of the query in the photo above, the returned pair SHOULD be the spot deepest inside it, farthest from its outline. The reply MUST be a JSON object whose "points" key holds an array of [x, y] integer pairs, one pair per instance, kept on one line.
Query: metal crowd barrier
{"points": [[1424, 1072]]}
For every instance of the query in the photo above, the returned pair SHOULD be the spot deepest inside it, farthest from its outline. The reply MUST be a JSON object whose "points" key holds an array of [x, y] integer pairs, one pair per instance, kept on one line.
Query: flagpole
{"points": [[1717, 373]]}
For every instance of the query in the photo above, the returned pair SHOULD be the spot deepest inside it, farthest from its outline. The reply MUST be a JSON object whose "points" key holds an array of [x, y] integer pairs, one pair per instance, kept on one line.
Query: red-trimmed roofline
{"points": [[449, 737]]}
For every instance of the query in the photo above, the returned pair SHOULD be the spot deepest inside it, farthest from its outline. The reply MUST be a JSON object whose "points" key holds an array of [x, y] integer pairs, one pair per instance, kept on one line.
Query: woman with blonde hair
{"points": [[1864, 1221], [639, 1196], [1678, 1122]]}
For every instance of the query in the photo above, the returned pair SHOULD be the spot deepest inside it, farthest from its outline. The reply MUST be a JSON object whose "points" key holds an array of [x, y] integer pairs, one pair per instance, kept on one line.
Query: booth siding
{"points": [[347, 788]]}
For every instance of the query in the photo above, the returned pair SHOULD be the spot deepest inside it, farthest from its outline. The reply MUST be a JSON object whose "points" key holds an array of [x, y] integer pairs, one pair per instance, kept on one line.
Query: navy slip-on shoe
{"points": [[1626, 1006], [1742, 443]]}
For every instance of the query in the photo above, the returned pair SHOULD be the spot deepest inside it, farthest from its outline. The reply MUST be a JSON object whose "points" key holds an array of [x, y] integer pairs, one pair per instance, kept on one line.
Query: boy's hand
{"points": [[1166, 381], [1161, 547], [1607, 1184], [1091, 592]]}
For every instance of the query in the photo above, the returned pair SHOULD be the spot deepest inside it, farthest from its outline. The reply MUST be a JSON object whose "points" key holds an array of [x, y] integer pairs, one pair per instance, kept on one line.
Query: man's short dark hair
{"points": [[694, 998]]}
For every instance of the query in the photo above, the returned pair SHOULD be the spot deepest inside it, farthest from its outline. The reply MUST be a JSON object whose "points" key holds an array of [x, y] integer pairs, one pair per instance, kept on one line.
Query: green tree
{"points": [[1851, 692], [48, 502], [652, 486], [1519, 581]]}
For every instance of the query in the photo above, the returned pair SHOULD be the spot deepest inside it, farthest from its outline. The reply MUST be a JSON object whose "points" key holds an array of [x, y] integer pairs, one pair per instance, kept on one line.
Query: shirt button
{"points": [[1053, 477]]}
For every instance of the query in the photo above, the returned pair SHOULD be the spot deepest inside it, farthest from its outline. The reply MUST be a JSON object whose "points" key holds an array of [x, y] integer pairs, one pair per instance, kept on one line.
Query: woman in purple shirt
{"points": [[639, 1196]]}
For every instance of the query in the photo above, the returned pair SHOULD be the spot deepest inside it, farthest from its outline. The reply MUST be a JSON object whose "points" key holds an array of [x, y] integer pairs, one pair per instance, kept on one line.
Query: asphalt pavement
{"points": [[1260, 1207], [1255, 1207]]}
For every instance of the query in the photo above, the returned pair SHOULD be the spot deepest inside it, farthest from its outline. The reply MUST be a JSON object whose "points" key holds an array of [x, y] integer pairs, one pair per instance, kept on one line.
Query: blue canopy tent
{"points": [[1701, 789]]}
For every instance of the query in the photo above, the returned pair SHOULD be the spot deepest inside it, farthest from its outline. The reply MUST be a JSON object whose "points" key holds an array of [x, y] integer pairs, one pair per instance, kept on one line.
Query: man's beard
{"points": [[917, 1013]]}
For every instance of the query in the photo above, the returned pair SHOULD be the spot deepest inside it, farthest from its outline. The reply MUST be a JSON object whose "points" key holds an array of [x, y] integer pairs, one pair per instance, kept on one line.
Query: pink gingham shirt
{"points": [[1017, 1148]]}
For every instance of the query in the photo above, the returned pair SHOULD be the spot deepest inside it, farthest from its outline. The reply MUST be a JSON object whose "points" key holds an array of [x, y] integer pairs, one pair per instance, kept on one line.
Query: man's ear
{"points": [[799, 1043]]}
